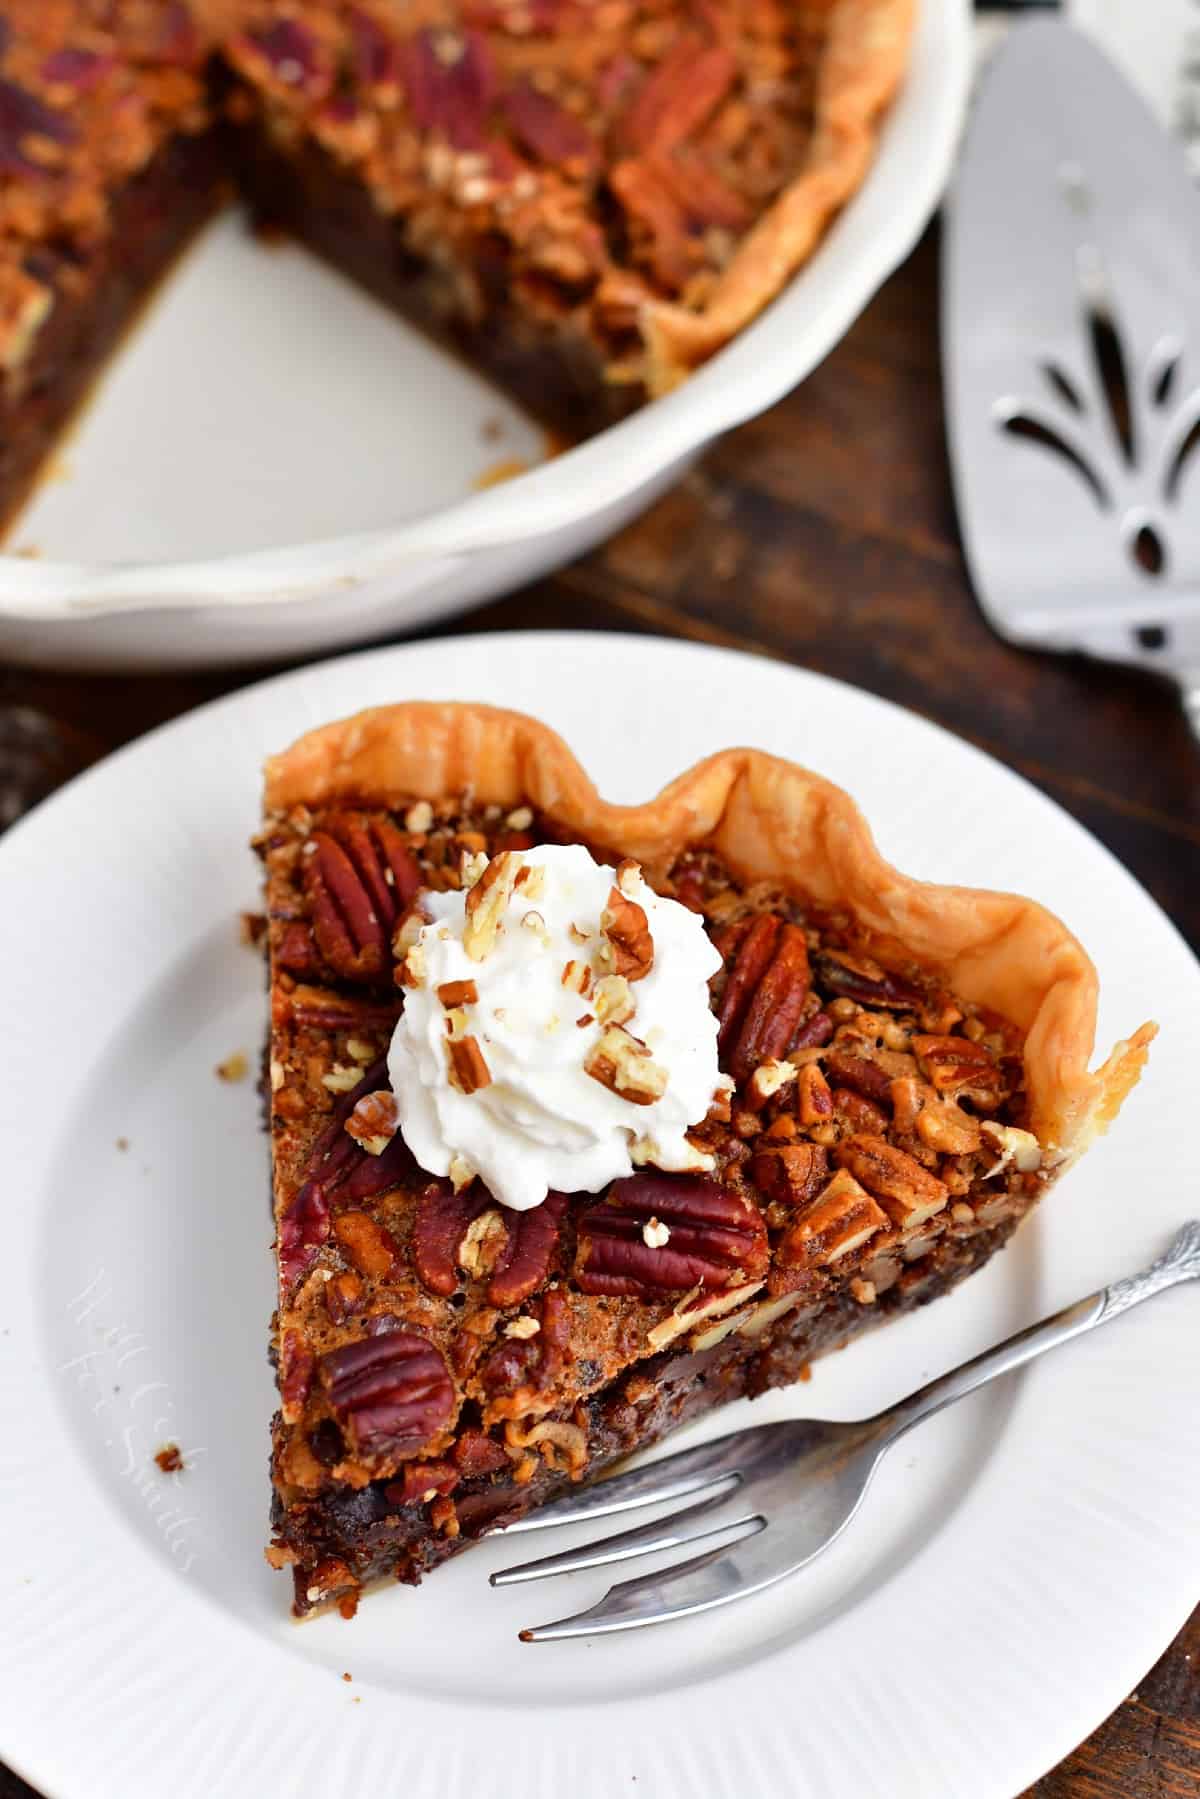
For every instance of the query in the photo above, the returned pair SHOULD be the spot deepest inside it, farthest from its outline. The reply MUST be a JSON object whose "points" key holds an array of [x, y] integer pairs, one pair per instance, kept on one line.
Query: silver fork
{"points": [[804, 1481]]}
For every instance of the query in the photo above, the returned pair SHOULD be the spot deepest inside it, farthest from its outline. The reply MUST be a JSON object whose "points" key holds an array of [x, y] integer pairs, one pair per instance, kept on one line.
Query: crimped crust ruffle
{"points": [[862, 65], [770, 820]]}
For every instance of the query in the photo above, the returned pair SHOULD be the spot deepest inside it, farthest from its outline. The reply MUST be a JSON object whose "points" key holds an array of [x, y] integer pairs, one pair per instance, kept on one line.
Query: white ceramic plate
{"points": [[276, 465], [1015, 1570]]}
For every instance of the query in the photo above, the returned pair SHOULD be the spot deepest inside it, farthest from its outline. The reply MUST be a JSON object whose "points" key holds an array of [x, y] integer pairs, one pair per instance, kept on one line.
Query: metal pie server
{"points": [[1071, 345]]}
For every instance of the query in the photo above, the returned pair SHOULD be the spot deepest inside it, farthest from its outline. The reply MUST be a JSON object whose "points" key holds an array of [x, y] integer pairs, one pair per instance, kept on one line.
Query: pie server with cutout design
{"points": [[1071, 346]]}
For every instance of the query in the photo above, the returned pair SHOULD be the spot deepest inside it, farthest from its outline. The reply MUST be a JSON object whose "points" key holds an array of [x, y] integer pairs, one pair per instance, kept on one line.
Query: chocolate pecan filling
{"points": [[444, 1362]]}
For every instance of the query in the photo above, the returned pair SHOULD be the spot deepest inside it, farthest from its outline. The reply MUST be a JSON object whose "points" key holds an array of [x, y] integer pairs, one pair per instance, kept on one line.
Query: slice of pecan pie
{"points": [[586, 1118]]}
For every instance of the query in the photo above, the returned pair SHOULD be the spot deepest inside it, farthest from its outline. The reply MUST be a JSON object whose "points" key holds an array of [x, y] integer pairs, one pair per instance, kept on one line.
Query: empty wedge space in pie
{"points": [[587, 200], [587, 1119]]}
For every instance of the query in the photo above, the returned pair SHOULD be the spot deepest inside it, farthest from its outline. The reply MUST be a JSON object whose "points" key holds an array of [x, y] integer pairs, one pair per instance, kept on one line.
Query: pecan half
{"points": [[907, 1192], [548, 130], [441, 1220], [626, 932], [776, 1007], [391, 1391], [754, 951], [679, 95], [302, 1230], [716, 1237], [858, 978], [623, 1064], [360, 880], [450, 80], [347, 927], [524, 1262], [322, 1009]]}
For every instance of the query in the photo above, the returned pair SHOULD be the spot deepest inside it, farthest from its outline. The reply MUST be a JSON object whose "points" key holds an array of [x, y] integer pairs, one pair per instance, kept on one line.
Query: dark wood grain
{"points": [[823, 534]]}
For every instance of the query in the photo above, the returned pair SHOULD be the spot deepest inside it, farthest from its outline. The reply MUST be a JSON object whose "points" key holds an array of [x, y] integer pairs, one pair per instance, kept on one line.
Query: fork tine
{"points": [[696, 1585], [675, 1476], [644, 1539]]}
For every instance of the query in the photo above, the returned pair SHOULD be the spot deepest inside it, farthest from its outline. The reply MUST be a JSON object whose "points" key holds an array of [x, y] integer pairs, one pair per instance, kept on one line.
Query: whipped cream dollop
{"points": [[556, 1028]]}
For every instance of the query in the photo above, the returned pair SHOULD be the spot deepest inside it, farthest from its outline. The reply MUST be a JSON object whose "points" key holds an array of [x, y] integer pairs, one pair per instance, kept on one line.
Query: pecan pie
{"points": [[903, 1071], [588, 196]]}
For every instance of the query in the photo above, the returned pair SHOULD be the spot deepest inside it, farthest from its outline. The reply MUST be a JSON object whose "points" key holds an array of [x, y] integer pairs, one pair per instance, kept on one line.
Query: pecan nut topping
{"points": [[716, 1238], [790, 1173], [441, 1221], [374, 1121], [842, 1219], [622, 1063], [908, 1193], [628, 947], [391, 1391], [359, 881], [524, 1262]]}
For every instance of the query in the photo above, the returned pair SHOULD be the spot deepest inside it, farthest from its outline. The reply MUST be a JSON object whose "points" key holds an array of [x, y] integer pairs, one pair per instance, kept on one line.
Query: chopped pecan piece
{"points": [[789, 1173], [840, 1220], [857, 1113], [622, 1063], [369, 1245], [628, 946], [391, 1391], [374, 1121], [524, 1262], [486, 903], [814, 1101], [955, 1065], [535, 1362], [421, 1482], [860, 1073], [477, 1453], [469, 1071], [458, 993], [296, 1364], [716, 1237], [343, 1297], [908, 1193]]}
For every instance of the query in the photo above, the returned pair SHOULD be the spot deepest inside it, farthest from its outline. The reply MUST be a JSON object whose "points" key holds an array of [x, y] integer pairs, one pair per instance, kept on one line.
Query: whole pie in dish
{"points": [[588, 1118], [589, 197]]}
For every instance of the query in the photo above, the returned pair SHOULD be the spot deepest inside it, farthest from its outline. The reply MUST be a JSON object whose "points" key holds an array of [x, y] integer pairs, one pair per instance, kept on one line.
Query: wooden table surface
{"points": [[823, 534]]}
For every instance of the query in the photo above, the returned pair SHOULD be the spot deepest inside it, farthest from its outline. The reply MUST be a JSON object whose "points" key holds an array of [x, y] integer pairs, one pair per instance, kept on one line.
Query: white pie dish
{"points": [[226, 429]]}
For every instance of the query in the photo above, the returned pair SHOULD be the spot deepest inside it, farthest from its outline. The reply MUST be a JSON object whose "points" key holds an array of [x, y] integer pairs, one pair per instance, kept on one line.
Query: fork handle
{"points": [[1180, 1263]]}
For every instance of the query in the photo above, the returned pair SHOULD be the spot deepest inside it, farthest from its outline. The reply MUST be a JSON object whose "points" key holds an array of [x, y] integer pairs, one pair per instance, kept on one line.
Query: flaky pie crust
{"points": [[769, 820], [862, 65]]}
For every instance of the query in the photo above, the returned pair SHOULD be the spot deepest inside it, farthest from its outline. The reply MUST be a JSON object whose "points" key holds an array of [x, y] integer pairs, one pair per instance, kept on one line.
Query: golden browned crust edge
{"points": [[865, 56], [770, 820]]}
